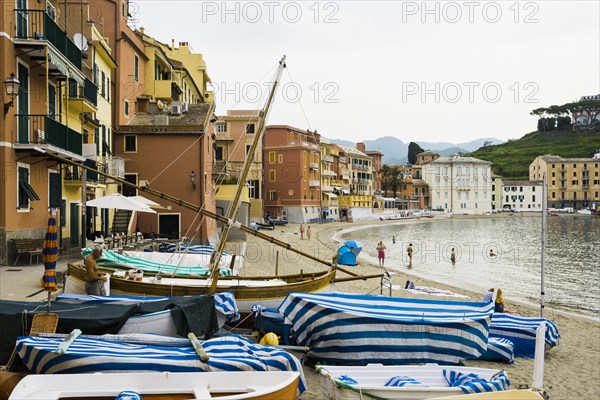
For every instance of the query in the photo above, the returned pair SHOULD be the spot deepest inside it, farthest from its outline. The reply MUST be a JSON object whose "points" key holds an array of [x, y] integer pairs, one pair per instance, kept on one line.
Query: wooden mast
{"points": [[235, 205]]}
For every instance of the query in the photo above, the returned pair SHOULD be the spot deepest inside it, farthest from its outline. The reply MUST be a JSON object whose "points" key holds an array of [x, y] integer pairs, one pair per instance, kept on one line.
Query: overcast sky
{"points": [[434, 71]]}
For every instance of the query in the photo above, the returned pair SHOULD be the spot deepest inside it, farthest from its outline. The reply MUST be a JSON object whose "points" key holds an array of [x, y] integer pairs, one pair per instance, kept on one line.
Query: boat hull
{"points": [[267, 291], [203, 385]]}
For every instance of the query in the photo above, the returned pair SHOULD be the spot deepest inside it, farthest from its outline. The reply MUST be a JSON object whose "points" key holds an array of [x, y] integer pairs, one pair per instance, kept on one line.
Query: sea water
{"points": [[572, 262]]}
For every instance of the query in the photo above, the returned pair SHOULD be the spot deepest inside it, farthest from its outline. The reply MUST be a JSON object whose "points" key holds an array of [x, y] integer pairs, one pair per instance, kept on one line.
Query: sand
{"points": [[572, 369]]}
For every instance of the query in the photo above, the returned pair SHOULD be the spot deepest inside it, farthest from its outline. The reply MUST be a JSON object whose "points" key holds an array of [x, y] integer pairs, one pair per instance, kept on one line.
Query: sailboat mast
{"points": [[235, 205], [544, 212]]}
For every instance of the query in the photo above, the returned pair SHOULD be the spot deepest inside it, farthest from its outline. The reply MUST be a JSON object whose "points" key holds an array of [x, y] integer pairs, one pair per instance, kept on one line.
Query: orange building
{"points": [[376, 164], [292, 161]]}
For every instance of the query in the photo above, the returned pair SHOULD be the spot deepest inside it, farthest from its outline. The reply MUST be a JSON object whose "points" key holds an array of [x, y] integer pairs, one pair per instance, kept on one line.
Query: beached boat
{"points": [[524, 394], [88, 355], [407, 382], [268, 291], [342, 328], [191, 385]]}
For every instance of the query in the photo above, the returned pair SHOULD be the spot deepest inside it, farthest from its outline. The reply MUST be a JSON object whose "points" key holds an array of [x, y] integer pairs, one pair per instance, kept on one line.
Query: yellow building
{"points": [[330, 187], [571, 182], [358, 171]]}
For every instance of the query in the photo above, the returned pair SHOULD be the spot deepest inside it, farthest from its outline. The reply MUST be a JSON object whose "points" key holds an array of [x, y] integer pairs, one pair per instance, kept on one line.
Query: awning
{"points": [[61, 65], [346, 191], [331, 195], [26, 187]]}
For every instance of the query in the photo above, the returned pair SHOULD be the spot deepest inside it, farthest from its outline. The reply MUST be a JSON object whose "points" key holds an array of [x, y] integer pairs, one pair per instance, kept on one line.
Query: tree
{"points": [[586, 108], [413, 150], [487, 143], [385, 174]]}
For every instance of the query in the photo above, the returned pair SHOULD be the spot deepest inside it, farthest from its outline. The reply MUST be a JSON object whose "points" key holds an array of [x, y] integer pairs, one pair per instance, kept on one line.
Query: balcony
{"points": [[327, 188], [328, 159], [327, 173], [343, 160], [303, 143], [114, 166], [75, 174], [314, 183], [44, 134], [166, 90], [363, 180], [314, 166], [37, 26], [85, 98]]}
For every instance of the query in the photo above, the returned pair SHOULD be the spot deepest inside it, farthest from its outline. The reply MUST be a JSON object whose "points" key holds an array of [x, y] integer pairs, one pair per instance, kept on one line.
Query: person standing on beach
{"points": [[381, 253], [453, 256], [301, 231], [308, 232], [409, 251]]}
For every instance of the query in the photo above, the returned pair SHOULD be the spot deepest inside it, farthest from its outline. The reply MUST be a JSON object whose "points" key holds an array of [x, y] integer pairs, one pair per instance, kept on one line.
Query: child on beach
{"points": [[381, 253], [301, 231]]}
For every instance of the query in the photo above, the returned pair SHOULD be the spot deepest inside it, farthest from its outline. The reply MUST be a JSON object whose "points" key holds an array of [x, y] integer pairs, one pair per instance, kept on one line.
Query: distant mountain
{"points": [[395, 151]]}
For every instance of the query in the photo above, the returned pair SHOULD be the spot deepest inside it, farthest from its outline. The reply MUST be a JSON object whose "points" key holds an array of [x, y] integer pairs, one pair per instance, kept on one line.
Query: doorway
{"points": [[168, 225]]}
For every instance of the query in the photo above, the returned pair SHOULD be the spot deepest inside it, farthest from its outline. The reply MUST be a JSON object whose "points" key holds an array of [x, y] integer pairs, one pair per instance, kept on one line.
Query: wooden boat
{"points": [[244, 385], [268, 291], [370, 381], [506, 395]]}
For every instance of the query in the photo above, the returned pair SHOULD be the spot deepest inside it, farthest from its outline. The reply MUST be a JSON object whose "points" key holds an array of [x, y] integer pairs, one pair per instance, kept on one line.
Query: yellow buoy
{"points": [[270, 338]]}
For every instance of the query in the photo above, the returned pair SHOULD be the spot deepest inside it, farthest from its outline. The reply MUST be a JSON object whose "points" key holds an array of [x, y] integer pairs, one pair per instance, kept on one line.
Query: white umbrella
{"points": [[146, 201], [120, 202]]}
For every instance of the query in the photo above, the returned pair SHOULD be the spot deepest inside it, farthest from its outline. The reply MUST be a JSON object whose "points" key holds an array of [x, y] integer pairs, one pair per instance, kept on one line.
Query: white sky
{"points": [[363, 66]]}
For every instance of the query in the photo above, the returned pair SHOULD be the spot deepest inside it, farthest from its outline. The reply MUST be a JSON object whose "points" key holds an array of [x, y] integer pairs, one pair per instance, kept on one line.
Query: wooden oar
{"points": [[198, 346]]}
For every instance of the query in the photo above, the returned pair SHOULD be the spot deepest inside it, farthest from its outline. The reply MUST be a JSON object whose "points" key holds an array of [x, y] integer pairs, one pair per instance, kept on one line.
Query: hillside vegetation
{"points": [[512, 159]]}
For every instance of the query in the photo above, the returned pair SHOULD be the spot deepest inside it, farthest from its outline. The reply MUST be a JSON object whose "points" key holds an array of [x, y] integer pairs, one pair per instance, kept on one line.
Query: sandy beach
{"points": [[572, 369]]}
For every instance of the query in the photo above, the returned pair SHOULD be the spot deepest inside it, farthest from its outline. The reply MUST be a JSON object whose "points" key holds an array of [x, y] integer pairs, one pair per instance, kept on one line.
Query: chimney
{"points": [[172, 44], [361, 147], [142, 104]]}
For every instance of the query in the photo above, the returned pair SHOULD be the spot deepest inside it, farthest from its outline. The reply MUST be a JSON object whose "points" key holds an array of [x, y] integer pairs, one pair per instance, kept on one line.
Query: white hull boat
{"points": [[414, 381], [244, 385]]}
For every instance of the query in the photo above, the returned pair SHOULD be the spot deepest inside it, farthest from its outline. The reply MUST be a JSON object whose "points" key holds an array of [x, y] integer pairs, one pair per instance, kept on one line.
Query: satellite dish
{"points": [[160, 104], [80, 41]]}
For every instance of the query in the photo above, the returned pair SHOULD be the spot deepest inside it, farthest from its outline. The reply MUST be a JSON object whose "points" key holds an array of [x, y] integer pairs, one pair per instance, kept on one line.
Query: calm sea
{"points": [[572, 265]]}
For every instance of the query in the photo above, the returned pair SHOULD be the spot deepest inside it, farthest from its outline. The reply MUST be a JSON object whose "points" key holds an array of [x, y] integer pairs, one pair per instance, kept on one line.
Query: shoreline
{"points": [[571, 369]]}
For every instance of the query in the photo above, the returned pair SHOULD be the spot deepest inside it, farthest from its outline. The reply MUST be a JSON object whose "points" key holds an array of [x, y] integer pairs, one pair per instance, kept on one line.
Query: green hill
{"points": [[512, 159]]}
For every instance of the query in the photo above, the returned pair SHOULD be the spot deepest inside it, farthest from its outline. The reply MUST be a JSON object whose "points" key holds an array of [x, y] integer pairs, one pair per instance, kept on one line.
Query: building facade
{"points": [[459, 185], [292, 165], [330, 187], [572, 182], [234, 134], [522, 196], [357, 170]]}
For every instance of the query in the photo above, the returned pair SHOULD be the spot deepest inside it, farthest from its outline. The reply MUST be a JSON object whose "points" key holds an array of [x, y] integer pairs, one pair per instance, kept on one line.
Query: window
{"points": [[249, 128], [219, 153], [25, 191], [574, 182], [54, 186], [553, 195], [533, 198], [271, 157], [103, 84], [553, 174], [136, 66], [280, 158], [131, 143], [520, 188], [574, 173], [272, 175], [126, 108], [221, 127], [272, 195], [107, 88], [254, 189], [95, 75], [533, 188], [248, 147], [63, 213]]}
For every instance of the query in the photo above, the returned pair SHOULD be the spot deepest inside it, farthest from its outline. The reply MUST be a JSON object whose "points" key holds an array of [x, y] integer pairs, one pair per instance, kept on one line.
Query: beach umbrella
{"points": [[120, 202], [354, 245], [50, 253], [146, 201]]}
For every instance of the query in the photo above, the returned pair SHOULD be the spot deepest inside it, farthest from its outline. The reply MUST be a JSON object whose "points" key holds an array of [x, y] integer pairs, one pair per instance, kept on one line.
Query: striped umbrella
{"points": [[50, 253]]}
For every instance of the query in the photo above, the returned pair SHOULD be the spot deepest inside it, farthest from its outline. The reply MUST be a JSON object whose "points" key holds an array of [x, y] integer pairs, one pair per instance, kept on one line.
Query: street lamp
{"points": [[193, 179], [12, 86]]}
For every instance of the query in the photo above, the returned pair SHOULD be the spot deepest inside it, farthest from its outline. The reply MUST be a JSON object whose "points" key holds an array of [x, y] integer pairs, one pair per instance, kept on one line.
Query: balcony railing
{"points": [[314, 165], [314, 183], [88, 92], [328, 159], [41, 129], [37, 25]]}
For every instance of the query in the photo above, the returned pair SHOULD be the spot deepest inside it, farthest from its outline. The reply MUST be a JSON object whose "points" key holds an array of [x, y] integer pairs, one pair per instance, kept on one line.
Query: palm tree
{"points": [[385, 175]]}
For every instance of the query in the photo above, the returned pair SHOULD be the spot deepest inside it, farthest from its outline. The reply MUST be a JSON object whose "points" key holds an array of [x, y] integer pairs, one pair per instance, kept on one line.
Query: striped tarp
{"points": [[112, 260], [521, 331], [473, 383], [361, 329], [224, 301], [181, 248], [499, 349], [87, 355]]}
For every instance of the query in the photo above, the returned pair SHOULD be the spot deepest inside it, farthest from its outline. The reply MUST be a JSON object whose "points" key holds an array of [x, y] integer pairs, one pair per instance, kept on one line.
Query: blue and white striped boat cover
{"points": [[401, 381], [112, 260], [86, 355], [499, 349], [181, 248], [521, 331], [224, 302], [472, 383], [360, 329]]}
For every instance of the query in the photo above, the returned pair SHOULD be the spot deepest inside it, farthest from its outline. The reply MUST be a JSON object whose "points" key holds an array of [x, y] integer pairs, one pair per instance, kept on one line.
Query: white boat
{"points": [[244, 385], [420, 381], [506, 395]]}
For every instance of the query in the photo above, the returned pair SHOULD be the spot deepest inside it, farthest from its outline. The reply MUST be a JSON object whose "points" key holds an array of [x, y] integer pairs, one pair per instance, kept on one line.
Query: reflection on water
{"points": [[572, 261]]}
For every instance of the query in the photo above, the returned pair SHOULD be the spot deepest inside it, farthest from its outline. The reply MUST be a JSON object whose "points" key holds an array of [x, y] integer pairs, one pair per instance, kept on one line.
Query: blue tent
{"points": [[346, 256], [354, 245]]}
